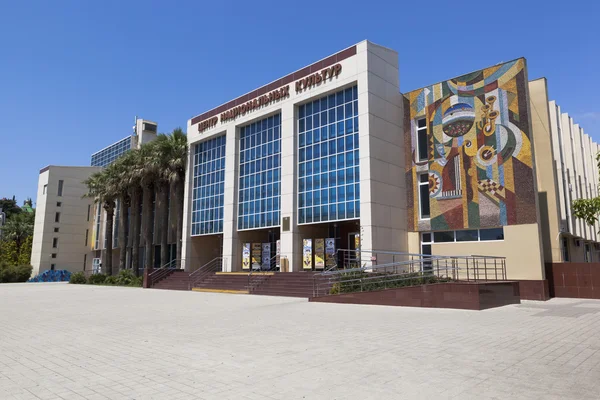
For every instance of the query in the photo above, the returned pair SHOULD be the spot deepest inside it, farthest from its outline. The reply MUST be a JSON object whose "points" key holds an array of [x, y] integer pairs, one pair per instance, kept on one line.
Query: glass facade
{"points": [[260, 174], [328, 173], [209, 187], [106, 156]]}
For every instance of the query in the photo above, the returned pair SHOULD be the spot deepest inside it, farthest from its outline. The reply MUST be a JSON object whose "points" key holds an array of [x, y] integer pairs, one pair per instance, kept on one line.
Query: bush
{"points": [[14, 273], [360, 281], [96, 279], [126, 278], [78, 278], [110, 280]]}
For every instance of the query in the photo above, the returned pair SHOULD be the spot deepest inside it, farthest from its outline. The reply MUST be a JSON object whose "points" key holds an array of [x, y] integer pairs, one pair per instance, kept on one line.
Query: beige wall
{"points": [[545, 170], [73, 220], [520, 247]]}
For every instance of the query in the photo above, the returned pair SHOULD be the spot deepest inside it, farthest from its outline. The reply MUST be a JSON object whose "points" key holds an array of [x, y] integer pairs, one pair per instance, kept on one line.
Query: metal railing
{"points": [[208, 269], [161, 272], [256, 278], [410, 270]]}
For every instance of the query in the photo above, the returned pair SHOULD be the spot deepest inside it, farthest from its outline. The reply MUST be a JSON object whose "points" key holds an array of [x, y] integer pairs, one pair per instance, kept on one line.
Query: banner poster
{"points": [[266, 256], [278, 254], [256, 255], [357, 247], [330, 252], [307, 254], [246, 256], [319, 253]]}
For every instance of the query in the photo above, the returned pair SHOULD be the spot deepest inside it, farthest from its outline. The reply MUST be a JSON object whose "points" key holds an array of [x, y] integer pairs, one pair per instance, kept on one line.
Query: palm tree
{"points": [[161, 160], [174, 151], [102, 186], [132, 179], [18, 228], [123, 167], [146, 171], [172, 155]]}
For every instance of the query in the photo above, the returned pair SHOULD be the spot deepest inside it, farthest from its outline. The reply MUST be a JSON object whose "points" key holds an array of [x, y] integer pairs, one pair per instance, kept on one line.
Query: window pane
{"points": [[467, 236], [443, 237], [491, 234], [424, 200]]}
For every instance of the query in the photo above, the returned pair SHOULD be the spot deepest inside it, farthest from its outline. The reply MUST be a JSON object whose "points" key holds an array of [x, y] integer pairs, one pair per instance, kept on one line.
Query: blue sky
{"points": [[73, 74]]}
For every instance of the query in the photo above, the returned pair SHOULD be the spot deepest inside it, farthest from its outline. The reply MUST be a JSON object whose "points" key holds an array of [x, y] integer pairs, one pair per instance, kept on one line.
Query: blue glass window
{"points": [[260, 172], [106, 156], [209, 187], [328, 180]]}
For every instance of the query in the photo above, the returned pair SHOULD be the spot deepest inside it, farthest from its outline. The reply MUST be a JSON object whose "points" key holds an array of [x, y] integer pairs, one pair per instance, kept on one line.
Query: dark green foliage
{"points": [[78, 278], [14, 273], [110, 280], [127, 278], [369, 281], [96, 279]]}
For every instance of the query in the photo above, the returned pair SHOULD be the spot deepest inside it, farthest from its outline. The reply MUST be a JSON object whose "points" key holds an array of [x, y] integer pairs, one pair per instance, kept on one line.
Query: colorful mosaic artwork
{"points": [[478, 148]]}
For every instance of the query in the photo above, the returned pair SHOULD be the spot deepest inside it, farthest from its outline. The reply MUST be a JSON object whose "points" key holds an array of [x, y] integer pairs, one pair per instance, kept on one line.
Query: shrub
{"points": [[14, 273], [78, 278], [110, 280], [96, 279], [126, 278]]}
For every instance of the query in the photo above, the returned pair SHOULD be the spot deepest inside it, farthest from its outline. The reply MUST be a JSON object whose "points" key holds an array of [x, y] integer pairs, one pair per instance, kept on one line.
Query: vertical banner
{"points": [[330, 252], [319, 253], [357, 248], [246, 256], [266, 256], [278, 254], [256, 255], [307, 254]]}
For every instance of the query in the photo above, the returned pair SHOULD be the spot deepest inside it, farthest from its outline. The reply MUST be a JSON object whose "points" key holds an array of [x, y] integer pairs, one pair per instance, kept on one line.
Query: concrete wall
{"points": [[576, 175], [547, 184], [73, 220], [520, 247]]}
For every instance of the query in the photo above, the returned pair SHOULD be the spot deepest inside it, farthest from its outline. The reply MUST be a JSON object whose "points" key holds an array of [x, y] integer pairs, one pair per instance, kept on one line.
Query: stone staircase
{"points": [[176, 280], [224, 283], [290, 284]]}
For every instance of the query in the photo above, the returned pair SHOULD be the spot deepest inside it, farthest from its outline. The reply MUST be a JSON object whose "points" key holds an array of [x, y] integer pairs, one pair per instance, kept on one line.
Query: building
{"points": [[69, 229], [335, 153], [63, 220]]}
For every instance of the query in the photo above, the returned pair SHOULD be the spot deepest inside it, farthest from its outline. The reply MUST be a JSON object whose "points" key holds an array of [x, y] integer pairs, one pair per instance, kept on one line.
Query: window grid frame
{"points": [[209, 166], [259, 143], [331, 145]]}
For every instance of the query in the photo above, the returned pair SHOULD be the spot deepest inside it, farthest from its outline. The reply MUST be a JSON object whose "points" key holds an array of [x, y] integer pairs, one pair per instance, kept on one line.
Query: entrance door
{"points": [[426, 240], [353, 257]]}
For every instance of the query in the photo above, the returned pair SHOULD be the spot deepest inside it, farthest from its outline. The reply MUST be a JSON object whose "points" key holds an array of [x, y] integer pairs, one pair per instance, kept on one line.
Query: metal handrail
{"points": [[455, 268], [161, 272], [214, 265]]}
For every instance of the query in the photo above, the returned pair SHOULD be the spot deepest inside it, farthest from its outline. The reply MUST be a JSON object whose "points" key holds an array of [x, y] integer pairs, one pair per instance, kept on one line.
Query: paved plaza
{"points": [[60, 341]]}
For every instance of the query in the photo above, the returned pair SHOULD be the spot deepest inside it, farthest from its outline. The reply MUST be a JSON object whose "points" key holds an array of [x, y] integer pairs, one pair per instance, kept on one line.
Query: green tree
{"points": [[147, 173], [588, 209], [18, 228], [174, 153], [9, 252], [103, 188], [9, 207], [25, 252], [172, 156]]}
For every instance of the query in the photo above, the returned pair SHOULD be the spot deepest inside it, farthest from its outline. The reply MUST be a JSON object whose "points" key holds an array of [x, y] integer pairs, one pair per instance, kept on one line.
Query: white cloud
{"points": [[594, 115]]}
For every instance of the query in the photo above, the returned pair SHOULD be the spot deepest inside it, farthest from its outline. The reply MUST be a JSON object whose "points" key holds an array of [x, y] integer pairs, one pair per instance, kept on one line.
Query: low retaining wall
{"points": [[575, 280], [467, 296]]}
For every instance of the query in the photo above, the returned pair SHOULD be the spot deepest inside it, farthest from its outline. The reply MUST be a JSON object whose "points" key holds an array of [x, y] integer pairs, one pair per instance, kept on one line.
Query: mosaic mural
{"points": [[479, 158]]}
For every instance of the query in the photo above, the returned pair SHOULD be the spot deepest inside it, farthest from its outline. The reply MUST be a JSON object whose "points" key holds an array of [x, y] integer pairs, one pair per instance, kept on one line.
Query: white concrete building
{"points": [[69, 229], [283, 164], [63, 220]]}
